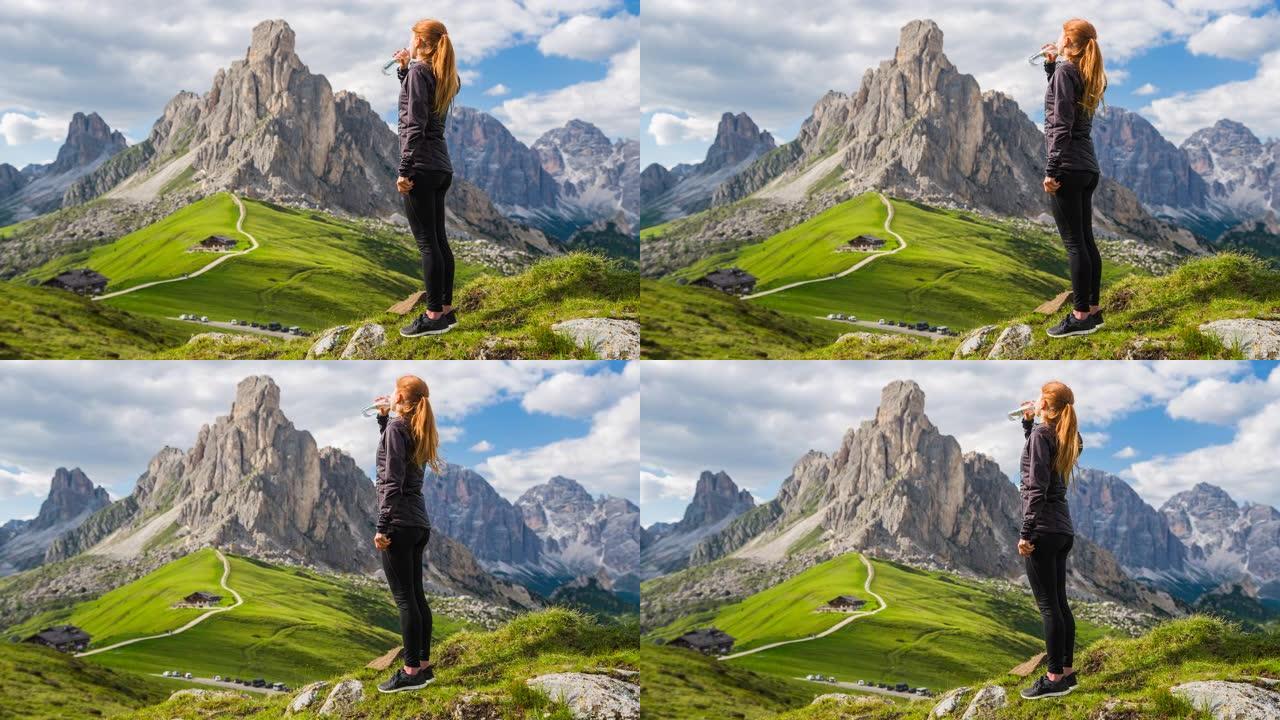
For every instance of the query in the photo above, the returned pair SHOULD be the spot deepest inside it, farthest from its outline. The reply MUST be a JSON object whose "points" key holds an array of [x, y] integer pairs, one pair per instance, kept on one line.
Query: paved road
{"points": [[870, 689], [902, 244], [201, 271], [226, 571], [871, 575], [241, 328], [224, 684], [886, 328]]}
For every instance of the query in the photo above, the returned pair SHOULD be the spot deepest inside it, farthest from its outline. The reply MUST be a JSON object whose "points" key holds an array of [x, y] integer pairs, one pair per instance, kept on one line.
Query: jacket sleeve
{"points": [[419, 93], [392, 481], [1059, 116], [1028, 424], [401, 72], [1049, 67], [1035, 485]]}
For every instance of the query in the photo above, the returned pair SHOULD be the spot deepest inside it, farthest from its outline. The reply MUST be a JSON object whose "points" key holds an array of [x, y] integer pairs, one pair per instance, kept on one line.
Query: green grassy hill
{"points": [[682, 684], [38, 683], [1119, 678], [937, 630], [488, 668], [295, 625], [38, 322]]}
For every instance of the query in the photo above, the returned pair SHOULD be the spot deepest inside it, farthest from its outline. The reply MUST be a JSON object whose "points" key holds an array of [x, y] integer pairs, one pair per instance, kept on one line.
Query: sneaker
{"points": [[423, 325], [1043, 687], [1071, 326], [451, 317], [1069, 682], [1097, 317], [403, 681]]}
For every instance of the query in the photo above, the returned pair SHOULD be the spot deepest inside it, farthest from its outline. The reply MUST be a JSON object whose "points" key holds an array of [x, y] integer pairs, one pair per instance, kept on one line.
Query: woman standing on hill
{"points": [[427, 88], [409, 441], [1046, 535], [1071, 169]]}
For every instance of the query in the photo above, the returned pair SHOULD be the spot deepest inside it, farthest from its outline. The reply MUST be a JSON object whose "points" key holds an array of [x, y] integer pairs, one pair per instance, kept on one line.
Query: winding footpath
{"points": [[871, 575], [902, 244], [226, 572], [239, 228]]}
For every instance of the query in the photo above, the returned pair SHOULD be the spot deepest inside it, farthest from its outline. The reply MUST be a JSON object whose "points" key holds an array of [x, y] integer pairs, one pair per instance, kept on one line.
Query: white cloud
{"points": [[15, 481], [497, 90], [604, 460], [1251, 102], [1146, 89], [1238, 37], [609, 103], [668, 129], [1117, 76], [20, 129], [481, 447], [571, 394], [1224, 401], [1126, 452], [1095, 440], [587, 37]]}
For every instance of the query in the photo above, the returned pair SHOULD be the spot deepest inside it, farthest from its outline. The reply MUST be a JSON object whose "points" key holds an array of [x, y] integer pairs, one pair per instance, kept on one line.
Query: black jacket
{"points": [[1067, 127], [400, 500], [1044, 491], [422, 144]]}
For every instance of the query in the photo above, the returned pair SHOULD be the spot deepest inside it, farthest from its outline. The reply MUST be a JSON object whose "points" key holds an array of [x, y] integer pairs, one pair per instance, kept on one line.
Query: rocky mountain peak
{"points": [[738, 138], [71, 494], [900, 400], [715, 498], [920, 42], [255, 395], [89, 138], [1132, 151], [1105, 509], [271, 40]]}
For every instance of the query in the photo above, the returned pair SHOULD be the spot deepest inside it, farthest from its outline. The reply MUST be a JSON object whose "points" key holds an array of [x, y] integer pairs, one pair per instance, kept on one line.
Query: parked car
{"points": [[852, 318], [862, 682], [881, 321], [259, 682], [204, 318], [187, 675], [217, 678], [274, 326]]}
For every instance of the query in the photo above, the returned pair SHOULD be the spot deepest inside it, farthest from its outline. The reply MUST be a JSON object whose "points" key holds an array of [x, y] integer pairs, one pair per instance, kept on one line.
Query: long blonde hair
{"points": [[415, 408], [1085, 54], [1060, 414], [438, 53]]}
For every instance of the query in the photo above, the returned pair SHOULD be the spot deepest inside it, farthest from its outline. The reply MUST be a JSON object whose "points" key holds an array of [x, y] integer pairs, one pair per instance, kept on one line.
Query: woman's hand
{"points": [[404, 185], [1050, 52], [1050, 185], [1025, 548], [402, 57], [382, 542]]}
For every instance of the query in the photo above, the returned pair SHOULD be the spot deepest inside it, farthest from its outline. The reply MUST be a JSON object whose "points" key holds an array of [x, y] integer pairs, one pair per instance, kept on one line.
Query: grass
{"points": [[1135, 673], [691, 322], [40, 683], [681, 684], [787, 611], [487, 668], [38, 322], [499, 317], [142, 607], [938, 630]]}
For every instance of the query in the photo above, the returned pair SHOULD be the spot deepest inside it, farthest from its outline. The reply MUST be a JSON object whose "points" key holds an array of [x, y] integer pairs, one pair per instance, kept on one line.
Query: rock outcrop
{"points": [[689, 188], [1105, 509], [38, 189], [484, 152], [466, 507], [1136, 155], [1230, 700], [72, 499], [1226, 540], [590, 696], [597, 177], [717, 501], [608, 338], [583, 533], [1240, 170]]}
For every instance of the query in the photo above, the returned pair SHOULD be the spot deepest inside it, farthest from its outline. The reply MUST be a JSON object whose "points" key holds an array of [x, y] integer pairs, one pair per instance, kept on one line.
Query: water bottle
{"points": [[1020, 413], [1042, 55], [388, 66], [376, 408]]}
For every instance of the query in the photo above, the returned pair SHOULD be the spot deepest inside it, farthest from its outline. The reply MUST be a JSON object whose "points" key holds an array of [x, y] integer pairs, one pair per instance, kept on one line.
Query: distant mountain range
{"points": [[38, 189], [667, 547], [72, 499]]}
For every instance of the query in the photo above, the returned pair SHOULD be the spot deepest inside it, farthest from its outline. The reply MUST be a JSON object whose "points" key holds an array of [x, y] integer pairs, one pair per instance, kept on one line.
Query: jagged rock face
{"points": [[1136, 155], [484, 152], [715, 498], [687, 189], [595, 175], [581, 532], [1241, 171], [1227, 540], [72, 499], [463, 505], [667, 547], [38, 189], [1106, 510], [919, 128]]}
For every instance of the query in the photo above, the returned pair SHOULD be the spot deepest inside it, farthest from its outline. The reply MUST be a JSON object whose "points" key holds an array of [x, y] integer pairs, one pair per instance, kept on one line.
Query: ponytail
{"points": [[443, 62], [1060, 413], [421, 421], [1087, 57]]}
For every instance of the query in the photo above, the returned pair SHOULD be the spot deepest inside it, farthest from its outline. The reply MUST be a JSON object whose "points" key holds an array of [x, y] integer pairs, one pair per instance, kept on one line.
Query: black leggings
{"points": [[1073, 211], [402, 563], [424, 207], [1047, 572]]}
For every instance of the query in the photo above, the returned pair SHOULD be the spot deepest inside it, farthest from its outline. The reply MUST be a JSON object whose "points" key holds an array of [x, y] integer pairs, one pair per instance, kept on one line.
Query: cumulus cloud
{"points": [[497, 90], [1237, 37], [571, 394], [668, 129], [610, 103], [481, 447], [1126, 452], [588, 37], [1250, 101], [1146, 89], [20, 129]]}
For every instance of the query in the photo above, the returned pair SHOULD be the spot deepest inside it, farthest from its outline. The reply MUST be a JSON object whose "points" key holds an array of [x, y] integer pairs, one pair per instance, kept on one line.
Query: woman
{"points": [[1071, 168], [1046, 535], [427, 88], [409, 441]]}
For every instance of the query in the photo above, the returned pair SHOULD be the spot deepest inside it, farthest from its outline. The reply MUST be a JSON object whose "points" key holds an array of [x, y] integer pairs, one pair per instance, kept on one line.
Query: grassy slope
{"points": [[690, 322], [518, 311], [311, 269], [40, 322], [681, 684], [142, 607], [938, 631], [492, 665], [1134, 671], [786, 610], [39, 683]]}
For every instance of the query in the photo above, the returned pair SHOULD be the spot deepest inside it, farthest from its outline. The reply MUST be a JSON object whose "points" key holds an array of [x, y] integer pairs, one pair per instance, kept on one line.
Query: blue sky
{"points": [[518, 424], [550, 60], [1162, 427], [1179, 63]]}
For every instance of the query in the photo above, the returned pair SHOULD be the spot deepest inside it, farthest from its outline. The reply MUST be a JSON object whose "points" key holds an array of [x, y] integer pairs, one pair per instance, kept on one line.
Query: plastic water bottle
{"points": [[1043, 54], [1021, 412], [376, 408]]}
